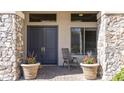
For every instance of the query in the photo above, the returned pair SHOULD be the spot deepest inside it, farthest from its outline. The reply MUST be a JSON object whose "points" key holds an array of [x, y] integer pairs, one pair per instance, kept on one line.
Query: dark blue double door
{"points": [[43, 41]]}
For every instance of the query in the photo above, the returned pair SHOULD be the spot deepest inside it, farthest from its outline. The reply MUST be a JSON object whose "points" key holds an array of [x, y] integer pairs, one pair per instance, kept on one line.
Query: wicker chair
{"points": [[68, 59]]}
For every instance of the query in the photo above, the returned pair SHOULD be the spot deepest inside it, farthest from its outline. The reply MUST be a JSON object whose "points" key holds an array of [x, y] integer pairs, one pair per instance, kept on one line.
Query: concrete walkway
{"points": [[56, 73]]}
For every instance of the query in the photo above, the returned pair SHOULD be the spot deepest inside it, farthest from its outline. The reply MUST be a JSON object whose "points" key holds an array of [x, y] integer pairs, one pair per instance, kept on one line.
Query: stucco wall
{"points": [[64, 26]]}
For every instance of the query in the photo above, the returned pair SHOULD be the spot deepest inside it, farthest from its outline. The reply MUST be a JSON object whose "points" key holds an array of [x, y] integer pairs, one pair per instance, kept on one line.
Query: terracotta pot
{"points": [[30, 70], [90, 71]]}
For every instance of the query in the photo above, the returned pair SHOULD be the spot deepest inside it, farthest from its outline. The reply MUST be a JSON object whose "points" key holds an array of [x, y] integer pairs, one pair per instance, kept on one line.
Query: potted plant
{"points": [[30, 67], [89, 66]]}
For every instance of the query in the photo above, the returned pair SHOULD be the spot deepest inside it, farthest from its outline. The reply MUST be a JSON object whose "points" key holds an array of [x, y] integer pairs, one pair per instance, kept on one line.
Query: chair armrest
{"points": [[65, 59], [75, 59]]}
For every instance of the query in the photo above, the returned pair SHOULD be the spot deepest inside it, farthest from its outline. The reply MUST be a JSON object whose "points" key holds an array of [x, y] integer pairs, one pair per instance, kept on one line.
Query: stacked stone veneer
{"points": [[110, 44], [11, 46]]}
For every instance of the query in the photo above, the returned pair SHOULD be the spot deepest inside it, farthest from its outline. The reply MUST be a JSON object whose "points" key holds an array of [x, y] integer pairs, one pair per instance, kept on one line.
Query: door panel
{"points": [[35, 42], [43, 41], [50, 45]]}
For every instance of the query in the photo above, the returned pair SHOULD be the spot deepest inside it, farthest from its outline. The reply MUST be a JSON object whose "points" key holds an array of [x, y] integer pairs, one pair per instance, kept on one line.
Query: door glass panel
{"points": [[42, 17], [82, 41], [90, 40], [84, 17], [75, 40]]}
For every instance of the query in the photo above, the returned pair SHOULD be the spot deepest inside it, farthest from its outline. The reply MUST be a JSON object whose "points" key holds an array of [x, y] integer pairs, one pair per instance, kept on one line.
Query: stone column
{"points": [[11, 45], [110, 43]]}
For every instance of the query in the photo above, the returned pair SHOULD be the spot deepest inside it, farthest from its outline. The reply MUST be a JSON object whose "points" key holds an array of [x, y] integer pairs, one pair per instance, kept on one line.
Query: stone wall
{"points": [[11, 46], [101, 44], [110, 44]]}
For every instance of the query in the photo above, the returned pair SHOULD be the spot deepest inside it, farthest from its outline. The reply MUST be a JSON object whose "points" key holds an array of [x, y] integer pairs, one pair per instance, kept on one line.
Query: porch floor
{"points": [[57, 73]]}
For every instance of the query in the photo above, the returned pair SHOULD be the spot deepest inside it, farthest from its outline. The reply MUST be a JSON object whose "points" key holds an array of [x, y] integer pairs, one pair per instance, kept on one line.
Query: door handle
{"points": [[42, 49]]}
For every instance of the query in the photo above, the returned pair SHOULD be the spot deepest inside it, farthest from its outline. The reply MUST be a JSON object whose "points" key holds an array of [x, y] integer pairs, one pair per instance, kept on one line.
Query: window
{"points": [[91, 17], [75, 34], [42, 17], [90, 40], [83, 40]]}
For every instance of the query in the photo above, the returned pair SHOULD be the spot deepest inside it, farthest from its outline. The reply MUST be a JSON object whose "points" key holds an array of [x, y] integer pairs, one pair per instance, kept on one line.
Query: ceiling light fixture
{"points": [[80, 14]]}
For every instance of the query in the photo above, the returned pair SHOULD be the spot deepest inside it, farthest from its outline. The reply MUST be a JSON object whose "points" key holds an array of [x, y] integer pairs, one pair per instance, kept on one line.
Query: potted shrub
{"points": [[30, 67], [89, 67]]}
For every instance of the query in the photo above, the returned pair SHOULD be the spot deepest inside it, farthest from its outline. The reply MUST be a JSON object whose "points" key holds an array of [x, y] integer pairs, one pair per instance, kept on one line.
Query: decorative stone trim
{"points": [[110, 44], [20, 14], [101, 13], [11, 37]]}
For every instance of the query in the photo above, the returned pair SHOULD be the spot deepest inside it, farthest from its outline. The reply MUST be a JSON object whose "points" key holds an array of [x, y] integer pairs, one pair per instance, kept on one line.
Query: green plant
{"points": [[89, 59], [31, 59], [119, 76]]}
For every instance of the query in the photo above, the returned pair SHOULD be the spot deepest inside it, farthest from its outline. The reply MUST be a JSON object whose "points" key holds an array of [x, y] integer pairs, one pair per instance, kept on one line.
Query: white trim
{"points": [[83, 24], [40, 12], [8, 12], [62, 11], [42, 23], [80, 43]]}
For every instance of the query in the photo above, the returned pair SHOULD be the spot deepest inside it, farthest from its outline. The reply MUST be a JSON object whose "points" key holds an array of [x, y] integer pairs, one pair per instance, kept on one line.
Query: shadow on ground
{"points": [[49, 72], [59, 73]]}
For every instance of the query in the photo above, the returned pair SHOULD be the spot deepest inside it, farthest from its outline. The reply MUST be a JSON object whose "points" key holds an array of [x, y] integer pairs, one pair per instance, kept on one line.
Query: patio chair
{"points": [[68, 59]]}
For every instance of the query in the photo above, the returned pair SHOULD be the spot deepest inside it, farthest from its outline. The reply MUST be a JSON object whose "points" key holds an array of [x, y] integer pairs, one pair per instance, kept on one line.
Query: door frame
{"points": [[43, 26]]}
